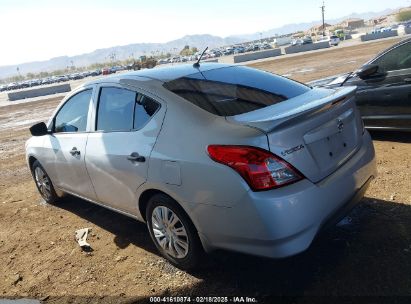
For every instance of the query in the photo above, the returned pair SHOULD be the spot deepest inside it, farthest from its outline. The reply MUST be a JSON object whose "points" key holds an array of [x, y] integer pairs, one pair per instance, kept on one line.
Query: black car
{"points": [[384, 88], [96, 72]]}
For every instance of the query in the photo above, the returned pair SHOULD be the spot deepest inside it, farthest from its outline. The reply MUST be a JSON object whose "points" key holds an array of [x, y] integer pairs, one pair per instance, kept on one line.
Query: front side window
{"points": [[396, 59], [123, 110], [235, 90], [72, 117]]}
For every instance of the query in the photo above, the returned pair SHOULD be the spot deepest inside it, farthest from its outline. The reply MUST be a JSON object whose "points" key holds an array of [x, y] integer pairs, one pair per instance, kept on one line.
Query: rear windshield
{"points": [[235, 90]]}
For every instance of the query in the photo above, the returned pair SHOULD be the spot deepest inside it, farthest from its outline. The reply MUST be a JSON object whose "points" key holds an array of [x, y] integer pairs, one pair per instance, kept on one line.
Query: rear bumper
{"points": [[284, 222]]}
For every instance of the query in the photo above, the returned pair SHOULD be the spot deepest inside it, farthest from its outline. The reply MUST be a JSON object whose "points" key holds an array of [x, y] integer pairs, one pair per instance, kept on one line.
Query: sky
{"points": [[42, 29]]}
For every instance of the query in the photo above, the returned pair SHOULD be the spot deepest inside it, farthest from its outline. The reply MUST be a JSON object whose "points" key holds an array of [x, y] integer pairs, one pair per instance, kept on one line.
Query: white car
{"points": [[334, 40]]}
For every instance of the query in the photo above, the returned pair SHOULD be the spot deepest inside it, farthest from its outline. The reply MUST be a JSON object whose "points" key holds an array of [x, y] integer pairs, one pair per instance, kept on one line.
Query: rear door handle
{"points": [[74, 151], [407, 80], [135, 157]]}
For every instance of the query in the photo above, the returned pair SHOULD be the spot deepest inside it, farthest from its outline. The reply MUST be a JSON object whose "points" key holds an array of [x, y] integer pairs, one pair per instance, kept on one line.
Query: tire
{"points": [[179, 242], [43, 183]]}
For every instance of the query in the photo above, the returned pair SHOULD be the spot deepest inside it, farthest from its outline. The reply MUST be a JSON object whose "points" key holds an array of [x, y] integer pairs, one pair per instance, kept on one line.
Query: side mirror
{"points": [[367, 70], [39, 129]]}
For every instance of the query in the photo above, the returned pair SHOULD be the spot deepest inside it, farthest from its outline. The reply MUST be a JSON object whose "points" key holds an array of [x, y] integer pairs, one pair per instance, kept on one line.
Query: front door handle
{"points": [[74, 151], [135, 157], [407, 80]]}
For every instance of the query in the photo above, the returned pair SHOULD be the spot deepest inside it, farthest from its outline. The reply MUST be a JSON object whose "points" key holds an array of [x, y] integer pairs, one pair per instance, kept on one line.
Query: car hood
{"points": [[330, 82]]}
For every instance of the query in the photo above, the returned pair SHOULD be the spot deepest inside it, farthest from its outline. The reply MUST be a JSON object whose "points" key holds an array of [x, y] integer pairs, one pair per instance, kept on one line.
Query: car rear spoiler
{"points": [[290, 111]]}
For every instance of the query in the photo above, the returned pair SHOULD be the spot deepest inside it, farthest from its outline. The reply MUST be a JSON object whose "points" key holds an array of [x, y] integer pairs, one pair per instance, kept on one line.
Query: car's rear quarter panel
{"points": [[184, 137]]}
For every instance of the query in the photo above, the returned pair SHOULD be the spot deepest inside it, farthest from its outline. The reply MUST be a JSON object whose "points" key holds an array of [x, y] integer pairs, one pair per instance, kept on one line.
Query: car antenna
{"points": [[197, 64]]}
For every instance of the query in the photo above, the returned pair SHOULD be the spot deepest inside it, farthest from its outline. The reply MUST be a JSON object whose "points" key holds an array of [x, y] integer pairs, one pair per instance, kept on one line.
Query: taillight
{"points": [[261, 169]]}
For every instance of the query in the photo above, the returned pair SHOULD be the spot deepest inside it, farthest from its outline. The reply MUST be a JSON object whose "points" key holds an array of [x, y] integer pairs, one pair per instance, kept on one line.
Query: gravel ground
{"points": [[367, 255]]}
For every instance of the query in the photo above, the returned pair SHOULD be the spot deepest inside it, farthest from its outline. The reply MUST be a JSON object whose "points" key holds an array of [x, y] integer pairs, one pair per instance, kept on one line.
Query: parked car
{"points": [[76, 76], [217, 53], [13, 86], [386, 29], [35, 82], [105, 71], [160, 61], [210, 156], [239, 50], [306, 40], [64, 78], [95, 72], [384, 88], [228, 51], [265, 46], [332, 40]]}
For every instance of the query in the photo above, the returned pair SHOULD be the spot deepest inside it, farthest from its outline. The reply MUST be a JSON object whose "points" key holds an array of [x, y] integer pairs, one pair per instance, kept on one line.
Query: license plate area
{"points": [[333, 142], [337, 145]]}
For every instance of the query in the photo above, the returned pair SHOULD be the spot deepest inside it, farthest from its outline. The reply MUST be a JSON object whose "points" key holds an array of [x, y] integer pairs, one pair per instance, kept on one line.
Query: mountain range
{"points": [[138, 49]]}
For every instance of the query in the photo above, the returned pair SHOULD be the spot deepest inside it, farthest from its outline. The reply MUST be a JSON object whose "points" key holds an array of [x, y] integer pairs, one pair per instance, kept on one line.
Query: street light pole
{"points": [[323, 14]]}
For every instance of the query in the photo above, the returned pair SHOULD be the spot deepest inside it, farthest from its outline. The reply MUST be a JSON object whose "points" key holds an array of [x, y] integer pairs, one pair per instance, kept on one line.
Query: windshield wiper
{"points": [[350, 75]]}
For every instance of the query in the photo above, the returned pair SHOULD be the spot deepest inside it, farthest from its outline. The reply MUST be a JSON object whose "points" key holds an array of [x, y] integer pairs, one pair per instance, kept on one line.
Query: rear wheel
{"points": [[172, 232], [43, 183]]}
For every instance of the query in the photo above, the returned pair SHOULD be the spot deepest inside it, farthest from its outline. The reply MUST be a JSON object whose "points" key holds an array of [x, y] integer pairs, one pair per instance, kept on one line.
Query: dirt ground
{"points": [[367, 256], [317, 65]]}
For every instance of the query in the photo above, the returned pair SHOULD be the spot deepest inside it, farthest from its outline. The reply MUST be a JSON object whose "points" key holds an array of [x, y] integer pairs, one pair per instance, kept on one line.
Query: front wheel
{"points": [[43, 183], [172, 232]]}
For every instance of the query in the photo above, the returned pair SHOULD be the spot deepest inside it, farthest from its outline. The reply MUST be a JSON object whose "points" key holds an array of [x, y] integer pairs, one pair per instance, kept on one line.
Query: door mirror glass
{"points": [[367, 70], [39, 129]]}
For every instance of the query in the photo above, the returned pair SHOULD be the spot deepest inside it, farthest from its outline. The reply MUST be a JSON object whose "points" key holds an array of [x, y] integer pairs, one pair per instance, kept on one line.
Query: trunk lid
{"points": [[315, 132]]}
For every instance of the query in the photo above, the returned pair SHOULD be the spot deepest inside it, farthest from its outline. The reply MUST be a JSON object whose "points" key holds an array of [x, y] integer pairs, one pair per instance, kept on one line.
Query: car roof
{"points": [[168, 73]]}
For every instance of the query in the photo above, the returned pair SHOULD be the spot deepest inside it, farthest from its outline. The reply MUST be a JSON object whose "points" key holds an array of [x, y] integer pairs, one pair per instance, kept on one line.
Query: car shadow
{"points": [[126, 230], [393, 136], [367, 253]]}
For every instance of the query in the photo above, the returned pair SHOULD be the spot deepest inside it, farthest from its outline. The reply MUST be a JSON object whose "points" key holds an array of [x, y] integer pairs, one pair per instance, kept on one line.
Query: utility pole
{"points": [[323, 13]]}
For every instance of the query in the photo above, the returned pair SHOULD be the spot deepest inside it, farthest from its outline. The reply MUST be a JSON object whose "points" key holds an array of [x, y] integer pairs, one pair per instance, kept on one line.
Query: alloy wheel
{"points": [[43, 183], [170, 232]]}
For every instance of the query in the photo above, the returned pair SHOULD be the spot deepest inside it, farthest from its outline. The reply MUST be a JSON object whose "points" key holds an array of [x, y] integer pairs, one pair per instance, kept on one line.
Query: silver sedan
{"points": [[210, 157]]}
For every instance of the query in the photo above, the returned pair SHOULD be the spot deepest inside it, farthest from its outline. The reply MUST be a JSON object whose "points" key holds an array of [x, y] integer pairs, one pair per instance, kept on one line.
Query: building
{"points": [[378, 21], [318, 29], [353, 23]]}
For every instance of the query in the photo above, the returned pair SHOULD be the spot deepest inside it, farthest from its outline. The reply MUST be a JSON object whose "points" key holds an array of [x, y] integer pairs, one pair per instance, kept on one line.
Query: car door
{"points": [[66, 146], [127, 124], [384, 99]]}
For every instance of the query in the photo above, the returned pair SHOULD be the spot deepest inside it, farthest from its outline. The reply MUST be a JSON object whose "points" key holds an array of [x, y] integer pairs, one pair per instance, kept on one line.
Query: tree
{"points": [[404, 16], [186, 51]]}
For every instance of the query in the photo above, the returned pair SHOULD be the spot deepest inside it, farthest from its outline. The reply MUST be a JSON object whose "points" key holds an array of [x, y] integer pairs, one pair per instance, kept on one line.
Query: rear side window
{"points": [[235, 90], [123, 110]]}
